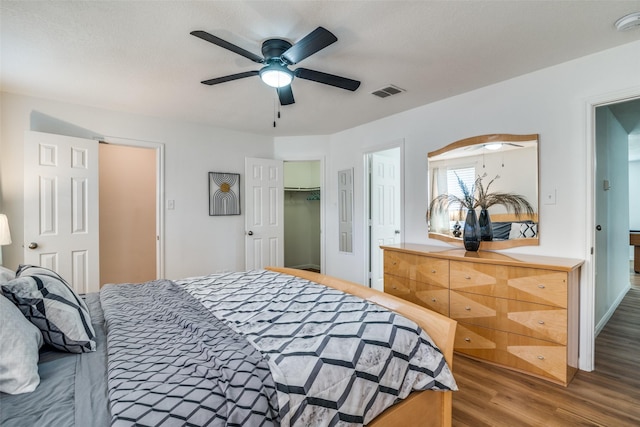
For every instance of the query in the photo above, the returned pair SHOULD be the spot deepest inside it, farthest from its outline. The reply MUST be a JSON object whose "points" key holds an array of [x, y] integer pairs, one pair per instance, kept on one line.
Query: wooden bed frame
{"points": [[424, 408]]}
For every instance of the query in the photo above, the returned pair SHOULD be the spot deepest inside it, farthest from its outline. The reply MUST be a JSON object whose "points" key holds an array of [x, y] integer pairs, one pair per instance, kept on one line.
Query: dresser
{"points": [[516, 311]]}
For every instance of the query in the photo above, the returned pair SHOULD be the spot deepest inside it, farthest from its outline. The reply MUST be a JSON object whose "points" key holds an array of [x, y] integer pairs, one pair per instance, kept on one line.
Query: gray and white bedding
{"points": [[335, 358], [72, 390], [252, 349]]}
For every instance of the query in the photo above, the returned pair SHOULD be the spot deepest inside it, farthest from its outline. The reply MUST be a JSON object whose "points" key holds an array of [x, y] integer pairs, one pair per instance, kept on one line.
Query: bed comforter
{"points": [[259, 348]]}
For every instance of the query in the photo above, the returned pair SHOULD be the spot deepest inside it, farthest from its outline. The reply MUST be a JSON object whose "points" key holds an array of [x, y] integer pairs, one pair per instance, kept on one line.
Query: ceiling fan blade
{"points": [[327, 79], [229, 46], [230, 78], [286, 95], [316, 40]]}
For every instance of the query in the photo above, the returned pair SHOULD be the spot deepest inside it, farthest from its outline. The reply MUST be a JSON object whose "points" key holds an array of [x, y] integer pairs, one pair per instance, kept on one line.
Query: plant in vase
{"points": [[478, 229], [471, 229]]}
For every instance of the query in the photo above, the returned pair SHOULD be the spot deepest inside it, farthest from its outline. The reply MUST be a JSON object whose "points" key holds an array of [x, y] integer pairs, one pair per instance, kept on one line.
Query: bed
{"points": [[139, 362]]}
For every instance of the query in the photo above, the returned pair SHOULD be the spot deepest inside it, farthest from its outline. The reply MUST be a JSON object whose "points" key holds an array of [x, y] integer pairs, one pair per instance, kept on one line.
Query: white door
{"points": [[385, 209], [264, 217], [61, 229]]}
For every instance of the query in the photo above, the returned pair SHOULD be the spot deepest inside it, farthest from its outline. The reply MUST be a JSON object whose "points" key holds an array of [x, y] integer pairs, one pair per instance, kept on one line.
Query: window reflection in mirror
{"points": [[506, 164], [345, 209]]}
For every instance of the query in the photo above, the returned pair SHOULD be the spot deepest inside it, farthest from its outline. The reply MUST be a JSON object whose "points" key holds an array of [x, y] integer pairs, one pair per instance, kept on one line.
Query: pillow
{"points": [[49, 303], [6, 275], [523, 229], [19, 350]]}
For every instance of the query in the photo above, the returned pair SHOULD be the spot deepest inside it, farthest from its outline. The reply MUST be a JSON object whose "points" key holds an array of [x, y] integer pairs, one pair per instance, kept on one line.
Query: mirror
{"points": [[345, 209], [502, 165]]}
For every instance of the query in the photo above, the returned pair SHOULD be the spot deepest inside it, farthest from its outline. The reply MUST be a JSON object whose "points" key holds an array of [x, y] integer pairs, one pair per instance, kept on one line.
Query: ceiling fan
{"points": [[278, 55]]}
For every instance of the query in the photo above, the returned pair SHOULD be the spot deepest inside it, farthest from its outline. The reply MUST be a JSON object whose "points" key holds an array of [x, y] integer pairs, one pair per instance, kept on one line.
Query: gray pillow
{"points": [[20, 342], [48, 302]]}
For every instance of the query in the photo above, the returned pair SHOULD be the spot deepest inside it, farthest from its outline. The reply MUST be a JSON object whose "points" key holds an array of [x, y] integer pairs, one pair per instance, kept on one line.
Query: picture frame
{"points": [[224, 193]]}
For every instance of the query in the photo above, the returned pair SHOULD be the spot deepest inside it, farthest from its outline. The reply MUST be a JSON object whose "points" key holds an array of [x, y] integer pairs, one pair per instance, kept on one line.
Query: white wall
{"points": [[196, 243]]}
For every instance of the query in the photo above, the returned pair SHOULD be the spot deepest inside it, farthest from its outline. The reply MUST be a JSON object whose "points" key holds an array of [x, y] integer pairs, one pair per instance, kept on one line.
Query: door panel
{"points": [[264, 239], [385, 209], [61, 207]]}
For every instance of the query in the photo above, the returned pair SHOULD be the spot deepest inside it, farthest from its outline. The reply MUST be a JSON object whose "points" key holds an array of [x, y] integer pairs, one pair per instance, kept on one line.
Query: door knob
{"points": [[599, 227], [397, 231], [250, 233], [33, 245]]}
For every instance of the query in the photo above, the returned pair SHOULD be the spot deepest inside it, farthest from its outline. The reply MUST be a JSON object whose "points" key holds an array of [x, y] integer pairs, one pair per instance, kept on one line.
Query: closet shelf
{"points": [[301, 189]]}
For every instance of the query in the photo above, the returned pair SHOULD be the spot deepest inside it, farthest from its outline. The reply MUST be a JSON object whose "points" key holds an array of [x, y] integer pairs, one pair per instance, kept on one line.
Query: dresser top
{"points": [[488, 257]]}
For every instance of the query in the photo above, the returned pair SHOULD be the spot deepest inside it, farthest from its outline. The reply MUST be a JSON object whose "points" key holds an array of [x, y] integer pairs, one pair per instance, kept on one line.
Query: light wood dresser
{"points": [[517, 311]]}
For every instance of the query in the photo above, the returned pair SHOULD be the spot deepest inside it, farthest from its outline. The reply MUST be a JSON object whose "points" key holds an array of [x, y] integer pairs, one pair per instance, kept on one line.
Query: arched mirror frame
{"points": [[493, 139]]}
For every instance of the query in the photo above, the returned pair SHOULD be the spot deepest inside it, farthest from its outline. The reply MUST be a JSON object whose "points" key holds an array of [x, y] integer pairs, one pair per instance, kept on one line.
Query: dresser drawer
{"points": [[433, 297], [523, 284], [432, 271], [538, 357], [399, 264], [534, 320], [398, 286]]}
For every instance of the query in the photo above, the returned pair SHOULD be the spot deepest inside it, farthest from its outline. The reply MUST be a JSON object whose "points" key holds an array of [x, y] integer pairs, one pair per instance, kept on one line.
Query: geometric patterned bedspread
{"points": [[336, 359], [171, 362]]}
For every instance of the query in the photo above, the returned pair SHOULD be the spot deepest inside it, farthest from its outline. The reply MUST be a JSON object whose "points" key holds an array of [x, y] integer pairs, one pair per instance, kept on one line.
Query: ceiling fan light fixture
{"points": [[276, 75]]}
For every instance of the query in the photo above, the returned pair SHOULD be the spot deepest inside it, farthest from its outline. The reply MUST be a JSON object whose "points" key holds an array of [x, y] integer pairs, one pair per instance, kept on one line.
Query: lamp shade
{"points": [[5, 234]]}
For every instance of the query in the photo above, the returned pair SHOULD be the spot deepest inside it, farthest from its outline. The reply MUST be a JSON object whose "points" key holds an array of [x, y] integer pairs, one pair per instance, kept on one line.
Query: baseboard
{"points": [[605, 319]]}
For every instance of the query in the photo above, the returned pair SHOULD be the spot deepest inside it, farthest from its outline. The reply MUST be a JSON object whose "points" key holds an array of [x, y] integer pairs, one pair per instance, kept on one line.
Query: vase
{"points": [[486, 228], [471, 231]]}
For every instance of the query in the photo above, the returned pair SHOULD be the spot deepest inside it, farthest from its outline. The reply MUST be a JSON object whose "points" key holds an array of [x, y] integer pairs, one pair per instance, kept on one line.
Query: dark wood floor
{"points": [[608, 396]]}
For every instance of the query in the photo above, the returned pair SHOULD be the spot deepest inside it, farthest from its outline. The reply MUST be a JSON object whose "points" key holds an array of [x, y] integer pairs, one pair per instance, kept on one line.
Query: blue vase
{"points": [[486, 228], [471, 232]]}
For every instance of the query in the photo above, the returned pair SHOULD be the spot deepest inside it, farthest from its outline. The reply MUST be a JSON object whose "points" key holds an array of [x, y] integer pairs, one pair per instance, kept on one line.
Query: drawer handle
{"points": [[541, 286], [433, 271], [467, 308], [541, 322], [541, 357], [433, 300], [468, 277], [467, 339]]}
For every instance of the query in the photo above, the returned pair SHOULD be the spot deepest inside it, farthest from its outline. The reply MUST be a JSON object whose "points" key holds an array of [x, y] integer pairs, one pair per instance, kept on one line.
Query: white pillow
{"points": [[18, 351], [6, 275]]}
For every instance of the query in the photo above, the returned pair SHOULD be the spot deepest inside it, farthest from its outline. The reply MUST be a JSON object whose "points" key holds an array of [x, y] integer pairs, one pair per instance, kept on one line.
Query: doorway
{"points": [[617, 202], [127, 209], [303, 215], [384, 208]]}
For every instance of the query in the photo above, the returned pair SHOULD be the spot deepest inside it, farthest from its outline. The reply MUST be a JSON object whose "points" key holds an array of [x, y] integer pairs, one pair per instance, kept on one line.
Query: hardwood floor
{"points": [[608, 396]]}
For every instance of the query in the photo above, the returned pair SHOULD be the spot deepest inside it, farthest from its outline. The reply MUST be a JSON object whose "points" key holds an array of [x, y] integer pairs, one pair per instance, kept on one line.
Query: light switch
{"points": [[171, 204]]}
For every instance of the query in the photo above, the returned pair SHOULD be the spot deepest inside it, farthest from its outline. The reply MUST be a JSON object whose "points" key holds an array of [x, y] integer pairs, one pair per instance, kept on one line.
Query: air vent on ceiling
{"points": [[388, 91]]}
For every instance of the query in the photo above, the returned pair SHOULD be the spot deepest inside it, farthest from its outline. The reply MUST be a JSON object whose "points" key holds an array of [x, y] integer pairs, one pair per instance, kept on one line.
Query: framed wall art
{"points": [[224, 193]]}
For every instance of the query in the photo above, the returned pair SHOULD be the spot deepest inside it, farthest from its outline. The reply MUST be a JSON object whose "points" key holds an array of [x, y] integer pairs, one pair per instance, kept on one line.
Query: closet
{"points": [[302, 214]]}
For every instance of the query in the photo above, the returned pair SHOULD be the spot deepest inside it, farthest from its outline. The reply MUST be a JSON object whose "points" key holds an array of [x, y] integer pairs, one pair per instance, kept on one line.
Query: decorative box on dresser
{"points": [[517, 311]]}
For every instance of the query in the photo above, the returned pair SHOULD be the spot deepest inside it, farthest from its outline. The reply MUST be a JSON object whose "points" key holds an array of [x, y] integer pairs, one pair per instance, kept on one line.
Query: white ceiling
{"points": [[139, 57]]}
